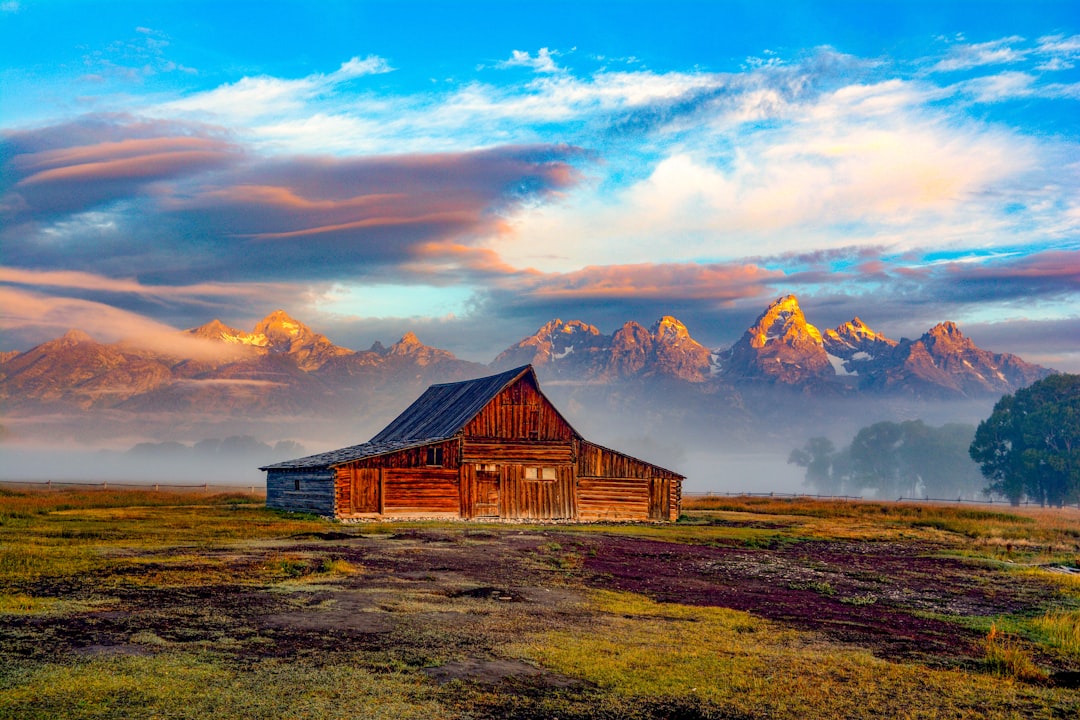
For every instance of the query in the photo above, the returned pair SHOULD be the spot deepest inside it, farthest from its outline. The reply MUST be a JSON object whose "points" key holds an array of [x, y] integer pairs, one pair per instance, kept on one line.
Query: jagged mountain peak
{"points": [[74, 337], [409, 339], [780, 347], [555, 343], [783, 321], [854, 343], [278, 325], [410, 347], [217, 330], [947, 329], [669, 328]]}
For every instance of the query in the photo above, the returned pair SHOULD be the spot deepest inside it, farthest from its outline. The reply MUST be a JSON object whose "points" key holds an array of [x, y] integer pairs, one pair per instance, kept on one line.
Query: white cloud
{"points": [[865, 164], [251, 98], [995, 52], [50, 316], [995, 88], [1060, 52], [544, 62]]}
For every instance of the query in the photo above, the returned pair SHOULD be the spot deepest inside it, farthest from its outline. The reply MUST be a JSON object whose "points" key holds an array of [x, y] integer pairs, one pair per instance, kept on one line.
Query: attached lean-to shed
{"points": [[491, 448]]}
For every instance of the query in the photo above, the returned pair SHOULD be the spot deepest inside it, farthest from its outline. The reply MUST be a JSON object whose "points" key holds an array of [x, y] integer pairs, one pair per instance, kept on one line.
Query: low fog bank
{"points": [[229, 461], [733, 472]]}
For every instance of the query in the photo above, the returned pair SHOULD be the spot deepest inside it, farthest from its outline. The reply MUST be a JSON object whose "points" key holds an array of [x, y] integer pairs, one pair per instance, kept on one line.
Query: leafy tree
{"points": [[875, 460], [816, 456], [1030, 444], [895, 459]]}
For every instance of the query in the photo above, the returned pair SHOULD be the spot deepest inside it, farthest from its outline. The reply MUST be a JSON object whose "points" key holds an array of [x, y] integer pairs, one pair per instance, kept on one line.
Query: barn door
{"points": [[659, 491], [365, 490], [486, 495]]}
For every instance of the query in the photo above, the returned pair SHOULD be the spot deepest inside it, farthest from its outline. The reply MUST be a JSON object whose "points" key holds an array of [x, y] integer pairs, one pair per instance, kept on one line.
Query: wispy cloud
{"points": [[254, 97], [972, 55], [1059, 52], [543, 62], [39, 316]]}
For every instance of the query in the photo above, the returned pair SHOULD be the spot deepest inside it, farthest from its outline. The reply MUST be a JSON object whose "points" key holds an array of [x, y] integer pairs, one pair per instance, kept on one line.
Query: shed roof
{"points": [[348, 454], [445, 409]]}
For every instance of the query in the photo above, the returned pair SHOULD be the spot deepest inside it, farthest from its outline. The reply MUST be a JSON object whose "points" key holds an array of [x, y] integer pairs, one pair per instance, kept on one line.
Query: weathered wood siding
{"points": [[427, 491], [597, 461], [316, 493], [358, 490], [414, 457], [537, 499], [613, 498], [521, 452], [614, 486], [519, 412]]}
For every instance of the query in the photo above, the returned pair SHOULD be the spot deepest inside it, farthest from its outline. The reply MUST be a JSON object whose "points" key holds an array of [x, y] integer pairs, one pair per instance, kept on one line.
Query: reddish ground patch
{"points": [[873, 595], [870, 594]]}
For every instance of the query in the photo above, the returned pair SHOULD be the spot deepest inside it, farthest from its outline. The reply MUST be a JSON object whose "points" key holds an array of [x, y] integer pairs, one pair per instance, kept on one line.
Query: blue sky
{"points": [[471, 170]]}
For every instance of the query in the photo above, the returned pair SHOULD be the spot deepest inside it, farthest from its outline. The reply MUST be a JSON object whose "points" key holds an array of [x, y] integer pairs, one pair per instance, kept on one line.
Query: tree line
{"points": [[894, 459], [1028, 449]]}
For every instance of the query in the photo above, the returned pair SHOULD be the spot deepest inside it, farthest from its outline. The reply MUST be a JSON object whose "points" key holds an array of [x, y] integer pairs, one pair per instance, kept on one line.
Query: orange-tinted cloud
{"points": [[712, 282], [105, 323]]}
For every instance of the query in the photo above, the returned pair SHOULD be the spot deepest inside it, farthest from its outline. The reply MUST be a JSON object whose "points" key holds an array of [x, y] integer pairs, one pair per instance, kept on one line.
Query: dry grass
{"points": [[634, 658], [716, 658]]}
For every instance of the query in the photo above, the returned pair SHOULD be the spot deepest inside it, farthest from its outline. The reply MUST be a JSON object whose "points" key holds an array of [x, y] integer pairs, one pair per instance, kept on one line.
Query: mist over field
{"points": [[717, 449]]}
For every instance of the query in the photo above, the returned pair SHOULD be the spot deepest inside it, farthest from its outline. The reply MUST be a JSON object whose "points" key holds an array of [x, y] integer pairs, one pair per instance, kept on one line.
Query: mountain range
{"points": [[283, 367]]}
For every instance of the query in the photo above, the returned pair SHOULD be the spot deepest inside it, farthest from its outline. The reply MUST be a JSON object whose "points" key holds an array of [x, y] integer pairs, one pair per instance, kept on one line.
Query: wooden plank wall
{"points": [[414, 457], [316, 493], [613, 498], [426, 491], [596, 461], [521, 452], [519, 412], [537, 499], [614, 486], [358, 490]]}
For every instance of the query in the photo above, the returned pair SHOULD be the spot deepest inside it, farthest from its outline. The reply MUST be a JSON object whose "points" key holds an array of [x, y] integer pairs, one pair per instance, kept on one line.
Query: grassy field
{"points": [[143, 604]]}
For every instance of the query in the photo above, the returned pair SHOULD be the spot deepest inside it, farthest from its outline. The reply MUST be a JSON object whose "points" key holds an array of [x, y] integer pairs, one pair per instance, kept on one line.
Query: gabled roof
{"points": [[353, 452], [443, 410]]}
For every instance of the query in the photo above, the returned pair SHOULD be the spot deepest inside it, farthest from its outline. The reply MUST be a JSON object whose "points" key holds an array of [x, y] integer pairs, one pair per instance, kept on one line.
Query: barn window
{"points": [[539, 473], [486, 467], [296, 483], [434, 456]]}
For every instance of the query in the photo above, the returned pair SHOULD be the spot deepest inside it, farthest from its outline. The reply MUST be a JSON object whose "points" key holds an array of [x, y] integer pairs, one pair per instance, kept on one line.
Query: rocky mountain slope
{"points": [[578, 351], [782, 348], [282, 367]]}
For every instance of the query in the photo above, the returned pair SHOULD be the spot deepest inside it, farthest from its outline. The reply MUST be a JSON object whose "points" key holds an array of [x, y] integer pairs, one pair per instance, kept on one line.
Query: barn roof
{"points": [[353, 452], [436, 415], [445, 409]]}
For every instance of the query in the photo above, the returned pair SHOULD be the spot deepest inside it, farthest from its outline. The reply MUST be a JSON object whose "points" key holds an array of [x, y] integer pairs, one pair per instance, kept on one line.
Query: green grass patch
{"points": [[181, 685], [730, 664]]}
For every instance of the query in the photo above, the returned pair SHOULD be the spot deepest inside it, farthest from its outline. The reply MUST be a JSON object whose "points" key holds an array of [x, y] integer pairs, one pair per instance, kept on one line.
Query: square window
{"points": [[435, 456], [547, 473], [530, 473]]}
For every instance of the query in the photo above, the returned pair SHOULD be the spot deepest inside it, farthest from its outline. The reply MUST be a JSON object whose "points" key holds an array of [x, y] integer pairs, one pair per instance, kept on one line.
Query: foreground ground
{"points": [[161, 605]]}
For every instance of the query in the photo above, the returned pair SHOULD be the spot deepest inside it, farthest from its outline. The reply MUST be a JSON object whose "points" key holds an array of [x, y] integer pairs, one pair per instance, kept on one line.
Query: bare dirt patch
{"points": [[882, 596], [496, 671], [426, 596]]}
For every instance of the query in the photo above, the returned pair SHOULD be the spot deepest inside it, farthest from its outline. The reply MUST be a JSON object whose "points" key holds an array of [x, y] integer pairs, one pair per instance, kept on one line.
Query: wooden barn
{"points": [[490, 448]]}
